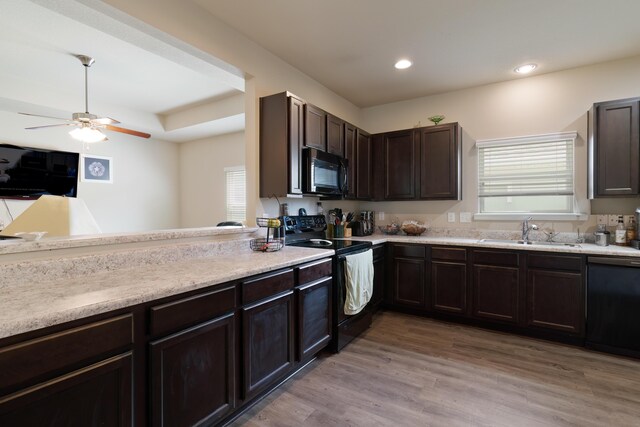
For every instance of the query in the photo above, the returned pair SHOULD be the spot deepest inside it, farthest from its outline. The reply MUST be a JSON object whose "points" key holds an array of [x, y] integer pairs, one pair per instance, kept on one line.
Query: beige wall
{"points": [[202, 179], [144, 193], [547, 103], [265, 73]]}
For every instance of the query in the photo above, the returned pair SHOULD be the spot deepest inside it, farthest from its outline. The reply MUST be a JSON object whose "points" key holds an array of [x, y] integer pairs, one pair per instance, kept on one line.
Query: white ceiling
{"points": [[136, 79], [350, 46]]}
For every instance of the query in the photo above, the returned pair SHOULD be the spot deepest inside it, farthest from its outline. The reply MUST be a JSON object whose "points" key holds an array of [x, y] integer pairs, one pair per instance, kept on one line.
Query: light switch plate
{"points": [[381, 216], [601, 219], [465, 216], [451, 217], [613, 220], [628, 219]]}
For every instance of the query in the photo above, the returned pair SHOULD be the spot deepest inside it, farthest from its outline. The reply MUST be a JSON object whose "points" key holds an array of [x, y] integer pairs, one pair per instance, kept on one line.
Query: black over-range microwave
{"points": [[323, 173]]}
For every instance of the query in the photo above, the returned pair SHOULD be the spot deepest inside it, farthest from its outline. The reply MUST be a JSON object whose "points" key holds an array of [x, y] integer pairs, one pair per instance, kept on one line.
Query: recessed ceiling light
{"points": [[525, 69], [403, 63]]}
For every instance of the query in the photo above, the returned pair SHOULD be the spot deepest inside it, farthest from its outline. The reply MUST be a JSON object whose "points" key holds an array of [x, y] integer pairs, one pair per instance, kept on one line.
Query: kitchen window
{"points": [[527, 175], [236, 194]]}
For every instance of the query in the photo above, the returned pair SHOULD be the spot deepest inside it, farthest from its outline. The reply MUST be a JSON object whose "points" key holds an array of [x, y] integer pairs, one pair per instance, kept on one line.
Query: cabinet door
{"points": [[350, 138], [314, 317], [449, 287], [192, 374], [618, 148], [296, 139], [496, 293], [439, 158], [335, 135], [409, 282], [267, 342], [363, 166], [400, 153], [314, 127], [378, 283], [98, 395], [555, 300]]}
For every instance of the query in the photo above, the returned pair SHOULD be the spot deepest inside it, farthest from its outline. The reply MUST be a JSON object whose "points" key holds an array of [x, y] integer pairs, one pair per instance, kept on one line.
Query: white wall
{"points": [[144, 193], [202, 180]]}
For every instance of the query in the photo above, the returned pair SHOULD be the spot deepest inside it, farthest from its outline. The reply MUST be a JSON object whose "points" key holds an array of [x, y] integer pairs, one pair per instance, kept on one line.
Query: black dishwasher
{"points": [[613, 305]]}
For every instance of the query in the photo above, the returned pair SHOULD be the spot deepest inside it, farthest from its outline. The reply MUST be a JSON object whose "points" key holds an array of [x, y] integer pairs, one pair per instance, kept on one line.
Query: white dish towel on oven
{"points": [[358, 281]]}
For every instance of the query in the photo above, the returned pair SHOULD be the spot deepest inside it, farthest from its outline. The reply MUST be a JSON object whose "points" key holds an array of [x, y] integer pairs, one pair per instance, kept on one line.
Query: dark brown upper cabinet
{"points": [[363, 163], [400, 158], [440, 162], [350, 139], [614, 148], [335, 135], [282, 133], [315, 127], [419, 164]]}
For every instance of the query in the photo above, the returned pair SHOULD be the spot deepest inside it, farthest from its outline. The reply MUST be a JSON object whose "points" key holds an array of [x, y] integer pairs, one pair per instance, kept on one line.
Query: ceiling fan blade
{"points": [[128, 131], [50, 126], [46, 117], [105, 121]]}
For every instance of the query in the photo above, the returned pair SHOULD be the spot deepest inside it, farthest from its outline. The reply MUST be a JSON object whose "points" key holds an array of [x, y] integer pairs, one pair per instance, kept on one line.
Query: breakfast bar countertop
{"points": [[34, 304]]}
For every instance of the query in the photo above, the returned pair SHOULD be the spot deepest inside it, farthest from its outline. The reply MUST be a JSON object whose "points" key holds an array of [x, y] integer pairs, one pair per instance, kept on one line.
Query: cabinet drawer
{"points": [[449, 254], [555, 262], [509, 259], [266, 286], [189, 311], [412, 251], [314, 271], [34, 359]]}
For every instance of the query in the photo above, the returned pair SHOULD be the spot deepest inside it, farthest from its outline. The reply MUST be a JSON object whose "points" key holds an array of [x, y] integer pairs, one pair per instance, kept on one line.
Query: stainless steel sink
{"points": [[572, 245], [522, 242]]}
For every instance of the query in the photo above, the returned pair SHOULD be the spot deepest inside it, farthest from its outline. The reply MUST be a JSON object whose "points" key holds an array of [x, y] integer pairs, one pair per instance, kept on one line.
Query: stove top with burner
{"points": [[309, 232]]}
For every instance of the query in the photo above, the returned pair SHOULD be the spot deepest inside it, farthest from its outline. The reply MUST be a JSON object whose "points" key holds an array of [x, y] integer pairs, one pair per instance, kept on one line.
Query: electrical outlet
{"points": [[628, 219], [451, 217], [602, 219], [613, 220], [381, 216], [465, 216]]}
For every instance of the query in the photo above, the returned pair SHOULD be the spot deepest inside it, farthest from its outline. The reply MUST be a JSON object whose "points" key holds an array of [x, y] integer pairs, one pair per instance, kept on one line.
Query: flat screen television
{"points": [[28, 173]]}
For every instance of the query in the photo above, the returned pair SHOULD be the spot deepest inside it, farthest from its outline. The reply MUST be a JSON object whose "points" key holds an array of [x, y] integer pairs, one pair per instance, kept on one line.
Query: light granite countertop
{"points": [[37, 304], [582, 248], [14, 246]]}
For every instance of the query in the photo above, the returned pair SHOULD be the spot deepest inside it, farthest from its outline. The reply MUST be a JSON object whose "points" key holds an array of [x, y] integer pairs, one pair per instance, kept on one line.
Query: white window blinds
{"points": [[530, 168], [236, 193]]}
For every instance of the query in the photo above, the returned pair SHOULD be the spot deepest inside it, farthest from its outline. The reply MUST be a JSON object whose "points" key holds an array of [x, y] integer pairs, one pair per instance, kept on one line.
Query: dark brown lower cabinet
{"points": [[97, 395], [267, 342], [192, 374], [449, 286], [314, 317], [379, 271], [555, 300], [448, 280], [407, 278], [496, 293]]}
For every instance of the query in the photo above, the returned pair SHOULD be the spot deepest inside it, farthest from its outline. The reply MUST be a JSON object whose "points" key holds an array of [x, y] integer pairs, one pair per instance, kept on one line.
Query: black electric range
{"points": [[309, 231]]}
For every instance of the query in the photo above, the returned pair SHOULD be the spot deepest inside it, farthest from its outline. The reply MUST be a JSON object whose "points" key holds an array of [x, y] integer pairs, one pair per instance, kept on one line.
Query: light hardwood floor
{"points": [[411, 371]]}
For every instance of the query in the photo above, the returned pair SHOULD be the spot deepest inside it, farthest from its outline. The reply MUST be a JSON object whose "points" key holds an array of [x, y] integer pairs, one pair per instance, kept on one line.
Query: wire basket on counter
{"points": [[266, 245]]}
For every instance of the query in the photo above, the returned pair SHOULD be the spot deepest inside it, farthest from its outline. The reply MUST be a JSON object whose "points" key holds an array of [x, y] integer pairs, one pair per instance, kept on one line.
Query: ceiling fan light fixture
{"points": [[87, 134]]}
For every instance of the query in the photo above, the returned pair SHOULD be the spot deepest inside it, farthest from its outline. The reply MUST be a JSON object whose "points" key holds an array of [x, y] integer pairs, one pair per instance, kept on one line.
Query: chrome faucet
{"points": [[526, 229]]}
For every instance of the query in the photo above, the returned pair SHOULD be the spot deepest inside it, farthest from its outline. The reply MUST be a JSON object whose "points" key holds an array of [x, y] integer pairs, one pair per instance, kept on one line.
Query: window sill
{"points": [[534, 216]]}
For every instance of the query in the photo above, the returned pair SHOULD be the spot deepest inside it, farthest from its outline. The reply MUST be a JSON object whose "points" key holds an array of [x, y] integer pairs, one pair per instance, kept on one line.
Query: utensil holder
{"points": [[338, 231]]}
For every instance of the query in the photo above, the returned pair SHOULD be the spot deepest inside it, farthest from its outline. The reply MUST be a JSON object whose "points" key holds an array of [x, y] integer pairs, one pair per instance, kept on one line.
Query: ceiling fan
{"points": [[88, 127]]}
